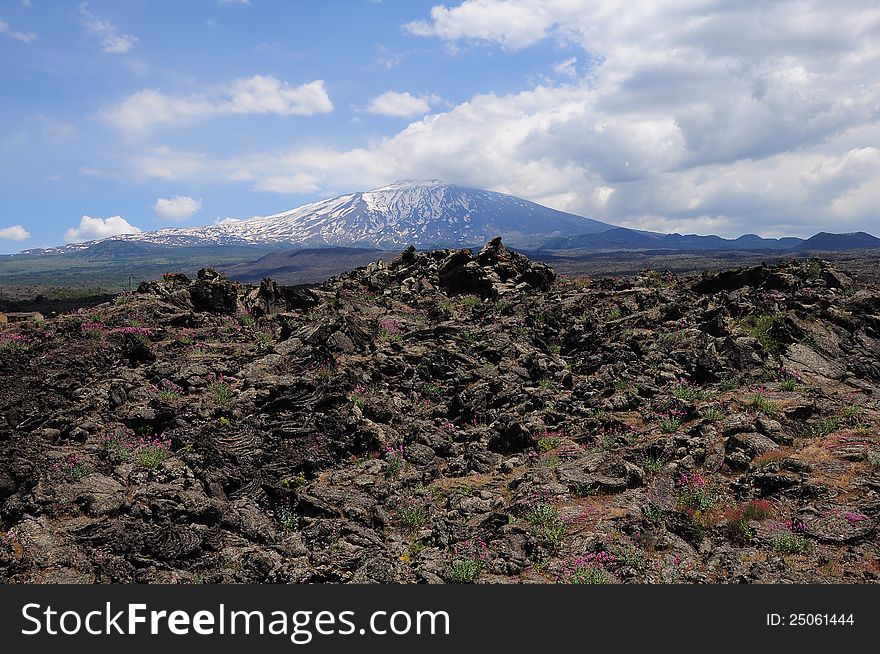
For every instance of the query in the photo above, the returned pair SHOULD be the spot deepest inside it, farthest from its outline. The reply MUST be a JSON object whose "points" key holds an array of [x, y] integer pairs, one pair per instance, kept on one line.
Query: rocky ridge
{"points": [[449, 417]]}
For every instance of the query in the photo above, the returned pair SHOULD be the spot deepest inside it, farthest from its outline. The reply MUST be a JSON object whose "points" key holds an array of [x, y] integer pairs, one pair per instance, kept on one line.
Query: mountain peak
{"points": [[422, 212], [409, 184]]}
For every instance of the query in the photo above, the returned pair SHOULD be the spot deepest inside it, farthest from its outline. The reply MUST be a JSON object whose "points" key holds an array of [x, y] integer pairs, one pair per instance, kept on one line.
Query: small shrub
{"points": [[469, 559], [325, 371], [652, 512], [760, 327], [670, 421], [265, 335], [652, 465], [585, 490], [246, 319], [696, 493], [168, 391], [630, 556], [762, 403], [394, 460], [220, 389], [740, 530], [825, 426], [789, 380], [119, 442], [389, 330], [545, 383], [431, 390], [71, 467], [684, 390], [151, 451], [729, 384], [359, 396], [612, 436], [470, 301], [413, 552], [713, 414], [588, 569], [297, 480], [549, 441], [789, 542], [286, 519], [414, 513], [546, 523]]}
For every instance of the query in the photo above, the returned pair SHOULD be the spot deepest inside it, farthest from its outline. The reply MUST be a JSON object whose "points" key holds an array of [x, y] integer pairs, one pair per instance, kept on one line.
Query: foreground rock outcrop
{"points": [[449, 416]]}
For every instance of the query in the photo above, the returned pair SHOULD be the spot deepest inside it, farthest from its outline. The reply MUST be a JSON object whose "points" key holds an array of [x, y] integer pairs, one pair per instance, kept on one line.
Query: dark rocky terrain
{"points": [[449, 417]]}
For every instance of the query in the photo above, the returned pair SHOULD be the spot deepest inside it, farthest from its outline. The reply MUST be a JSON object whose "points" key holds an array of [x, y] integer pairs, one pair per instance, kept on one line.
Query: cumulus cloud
{"points": [[513, 24], [91, 229], [111, 40], [403, 105], [255, 95], [24, 37], [14, 233], [703, 116], [178, 208], [267, 95]]}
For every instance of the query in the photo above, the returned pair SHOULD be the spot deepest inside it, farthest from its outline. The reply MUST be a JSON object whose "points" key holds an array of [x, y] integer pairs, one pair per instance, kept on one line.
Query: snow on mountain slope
{"points": [[420, 213]]}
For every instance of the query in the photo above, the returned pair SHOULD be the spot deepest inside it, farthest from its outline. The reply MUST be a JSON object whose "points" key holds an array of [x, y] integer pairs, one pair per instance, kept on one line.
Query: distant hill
{"points": [[621, 238], [827, 242]]}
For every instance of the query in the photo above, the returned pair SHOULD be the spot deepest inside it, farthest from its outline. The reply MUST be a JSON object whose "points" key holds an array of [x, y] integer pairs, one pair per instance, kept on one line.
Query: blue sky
{"points": [[703, 116]]}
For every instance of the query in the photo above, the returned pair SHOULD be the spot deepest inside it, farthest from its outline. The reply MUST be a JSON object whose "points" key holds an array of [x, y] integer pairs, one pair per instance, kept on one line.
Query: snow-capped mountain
{"points": [[420, 213]]}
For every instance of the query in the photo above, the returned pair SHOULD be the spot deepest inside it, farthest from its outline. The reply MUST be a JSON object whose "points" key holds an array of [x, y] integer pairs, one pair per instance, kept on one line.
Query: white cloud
{"points": [[513, 24], [567, 68], [733, 118], [178, 208], [107, 34], [14, 233], [90, 229], [404, 105], [118, 44], [24, 37], [255, 95], [267, 95]]}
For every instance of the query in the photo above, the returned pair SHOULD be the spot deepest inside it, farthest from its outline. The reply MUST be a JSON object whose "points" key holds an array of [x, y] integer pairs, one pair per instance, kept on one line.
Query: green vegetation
{"points": [[760, 327], [762, 403], [787, 542], [713, 414], [546, 523]]}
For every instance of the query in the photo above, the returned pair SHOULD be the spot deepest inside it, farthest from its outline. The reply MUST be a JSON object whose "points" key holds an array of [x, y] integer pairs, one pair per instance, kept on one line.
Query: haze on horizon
{"points": [[702, 116]]}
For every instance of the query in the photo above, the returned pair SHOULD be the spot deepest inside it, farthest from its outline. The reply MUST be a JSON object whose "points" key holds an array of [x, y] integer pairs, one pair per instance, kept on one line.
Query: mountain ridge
{"points": [[425, 213]]}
